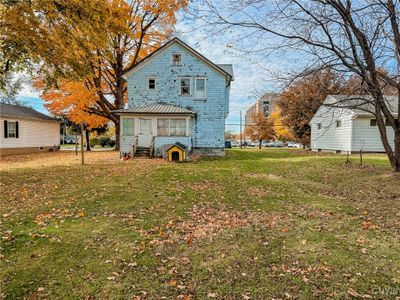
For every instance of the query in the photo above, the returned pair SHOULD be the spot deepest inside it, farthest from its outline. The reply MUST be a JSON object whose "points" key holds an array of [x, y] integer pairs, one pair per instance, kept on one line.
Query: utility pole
{"points": [[83, 159], [240, 129]]}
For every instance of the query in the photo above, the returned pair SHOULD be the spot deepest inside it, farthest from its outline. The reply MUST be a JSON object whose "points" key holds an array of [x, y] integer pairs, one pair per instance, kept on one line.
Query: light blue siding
{"points": [[209, 123]]}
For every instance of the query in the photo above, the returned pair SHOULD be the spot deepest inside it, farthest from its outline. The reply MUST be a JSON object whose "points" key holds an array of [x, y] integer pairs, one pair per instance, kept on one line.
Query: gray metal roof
{"points": [[9, 110], [228, 68], [156, 108]]}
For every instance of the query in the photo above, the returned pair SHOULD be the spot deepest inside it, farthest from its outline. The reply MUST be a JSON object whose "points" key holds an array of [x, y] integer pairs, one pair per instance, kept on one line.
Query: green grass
{"points": [[257, 223]]}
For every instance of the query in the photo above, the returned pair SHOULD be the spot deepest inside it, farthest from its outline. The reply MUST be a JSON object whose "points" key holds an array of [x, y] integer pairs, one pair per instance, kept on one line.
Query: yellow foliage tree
{"points": [[282, 132]]}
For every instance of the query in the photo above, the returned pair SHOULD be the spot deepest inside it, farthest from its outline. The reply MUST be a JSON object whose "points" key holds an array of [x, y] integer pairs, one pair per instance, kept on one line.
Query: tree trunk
{"points": [[117, 137], [88, 140], [259, 143]]}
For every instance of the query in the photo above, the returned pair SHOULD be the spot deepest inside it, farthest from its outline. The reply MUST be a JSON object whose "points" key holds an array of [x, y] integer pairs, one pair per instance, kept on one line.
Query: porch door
{"points": [[145, 134]]}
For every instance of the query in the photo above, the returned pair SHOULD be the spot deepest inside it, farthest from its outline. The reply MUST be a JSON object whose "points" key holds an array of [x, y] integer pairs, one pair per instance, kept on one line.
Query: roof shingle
{"points": [[17, 111]]}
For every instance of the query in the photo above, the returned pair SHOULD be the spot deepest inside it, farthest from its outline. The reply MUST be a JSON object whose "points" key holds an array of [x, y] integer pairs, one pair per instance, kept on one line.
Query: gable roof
{"points": [[156, 108], [17, 111], [360, 104], [179, 145], [225, 69]]}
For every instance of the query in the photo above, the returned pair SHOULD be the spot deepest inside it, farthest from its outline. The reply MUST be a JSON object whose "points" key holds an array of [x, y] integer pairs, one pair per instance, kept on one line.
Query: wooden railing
{"points": [[134, 146]]}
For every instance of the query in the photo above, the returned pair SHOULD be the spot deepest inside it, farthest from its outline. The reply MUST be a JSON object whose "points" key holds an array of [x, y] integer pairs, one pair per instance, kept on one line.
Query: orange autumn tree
{"points": [[72, 100], [134, 29], [261, 130]]}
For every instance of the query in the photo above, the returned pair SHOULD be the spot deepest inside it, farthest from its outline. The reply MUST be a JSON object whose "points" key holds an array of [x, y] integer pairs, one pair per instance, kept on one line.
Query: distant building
{"points": [[266, 105]]}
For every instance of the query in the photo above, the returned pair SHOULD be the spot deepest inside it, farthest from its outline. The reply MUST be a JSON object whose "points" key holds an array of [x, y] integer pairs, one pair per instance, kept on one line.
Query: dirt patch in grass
{"points": [[204, 185], [257, 192], [262, 176]]}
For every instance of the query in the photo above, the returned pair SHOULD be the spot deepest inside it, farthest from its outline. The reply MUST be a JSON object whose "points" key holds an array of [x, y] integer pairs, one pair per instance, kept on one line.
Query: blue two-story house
{"points": [[175, 95]]}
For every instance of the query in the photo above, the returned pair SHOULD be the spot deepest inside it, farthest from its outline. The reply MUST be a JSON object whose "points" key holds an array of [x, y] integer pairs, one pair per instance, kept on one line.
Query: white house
{"points": [[348, 130], [25, 130]]}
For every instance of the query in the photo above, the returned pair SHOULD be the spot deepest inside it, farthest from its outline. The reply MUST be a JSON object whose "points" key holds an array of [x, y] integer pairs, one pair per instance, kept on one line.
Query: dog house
{"points": [[176, 152]]}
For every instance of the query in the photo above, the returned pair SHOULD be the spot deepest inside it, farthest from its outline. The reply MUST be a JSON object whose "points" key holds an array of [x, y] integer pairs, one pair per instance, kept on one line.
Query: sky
{"points": [[251, 78]]}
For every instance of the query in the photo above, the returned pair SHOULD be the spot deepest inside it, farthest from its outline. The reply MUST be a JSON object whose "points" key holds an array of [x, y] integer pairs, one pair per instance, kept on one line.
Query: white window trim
{"points": [[205, 88], [169, 126], [148, 83], [190, 86], [14, 130], [172, 59]]}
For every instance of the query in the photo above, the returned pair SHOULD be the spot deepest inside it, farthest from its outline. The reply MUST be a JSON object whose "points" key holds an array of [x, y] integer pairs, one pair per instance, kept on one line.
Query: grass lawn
{"points": [[257, 224]]}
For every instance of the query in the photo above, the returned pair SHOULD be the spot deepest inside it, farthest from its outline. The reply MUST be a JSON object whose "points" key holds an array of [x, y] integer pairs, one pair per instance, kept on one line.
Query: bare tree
{"points": [[356, 38]]}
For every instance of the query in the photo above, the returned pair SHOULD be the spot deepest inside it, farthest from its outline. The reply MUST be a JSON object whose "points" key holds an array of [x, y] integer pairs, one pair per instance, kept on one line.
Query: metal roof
{"points": [[18, 111], [156, 108]]}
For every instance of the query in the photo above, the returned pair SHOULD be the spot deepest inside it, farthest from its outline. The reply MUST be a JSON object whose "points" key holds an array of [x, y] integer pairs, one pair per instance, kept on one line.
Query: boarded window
{"points": [[163, 127], [185, 87], [200, 88], [128, 126], [177, 127], [176, 59], [152, 83]]}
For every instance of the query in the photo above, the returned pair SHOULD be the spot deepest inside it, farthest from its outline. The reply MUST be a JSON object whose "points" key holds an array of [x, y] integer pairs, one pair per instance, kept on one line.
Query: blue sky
{"points": [[251, 78]]}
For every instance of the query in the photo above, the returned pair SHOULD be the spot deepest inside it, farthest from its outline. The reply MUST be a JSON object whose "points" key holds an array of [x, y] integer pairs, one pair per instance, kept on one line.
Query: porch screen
{"points": [[128, 126], [177, 127], [162, 127]]}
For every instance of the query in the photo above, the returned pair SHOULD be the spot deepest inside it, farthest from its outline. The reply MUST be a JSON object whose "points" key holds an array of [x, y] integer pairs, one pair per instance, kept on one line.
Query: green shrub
{"points": [[112, 143], [104, 141], [94, 141]]}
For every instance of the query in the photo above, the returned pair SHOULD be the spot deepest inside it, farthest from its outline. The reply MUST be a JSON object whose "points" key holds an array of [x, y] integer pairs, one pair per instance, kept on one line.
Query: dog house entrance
{"points": [[175, 156]]}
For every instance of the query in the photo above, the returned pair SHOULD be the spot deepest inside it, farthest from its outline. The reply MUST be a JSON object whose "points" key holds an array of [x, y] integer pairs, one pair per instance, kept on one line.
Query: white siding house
{"points": [[347, 130], [24, 130]]}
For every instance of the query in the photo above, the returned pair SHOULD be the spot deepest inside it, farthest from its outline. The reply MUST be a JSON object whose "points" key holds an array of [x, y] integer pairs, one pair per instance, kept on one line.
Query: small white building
{"points": [[344, 130], [25, 130]]}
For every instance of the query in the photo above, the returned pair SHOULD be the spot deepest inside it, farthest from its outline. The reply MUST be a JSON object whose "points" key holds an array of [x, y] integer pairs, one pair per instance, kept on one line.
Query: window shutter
{"points": [[5, 129], [16, 130]]}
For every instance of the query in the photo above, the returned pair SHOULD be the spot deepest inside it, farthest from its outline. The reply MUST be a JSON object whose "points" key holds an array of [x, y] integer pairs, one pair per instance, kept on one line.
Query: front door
{"points": [[145, 134]]}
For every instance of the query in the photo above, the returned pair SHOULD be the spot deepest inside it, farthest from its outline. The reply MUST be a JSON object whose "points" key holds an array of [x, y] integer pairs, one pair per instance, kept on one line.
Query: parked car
{"points": [[291, 144], [228, 144], [69, 139], [278, 144], [268, 144], [235, 144]]}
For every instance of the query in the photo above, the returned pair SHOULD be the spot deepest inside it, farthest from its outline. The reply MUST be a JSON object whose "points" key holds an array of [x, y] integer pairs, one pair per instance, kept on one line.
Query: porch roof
{"points": [[156, 108]]}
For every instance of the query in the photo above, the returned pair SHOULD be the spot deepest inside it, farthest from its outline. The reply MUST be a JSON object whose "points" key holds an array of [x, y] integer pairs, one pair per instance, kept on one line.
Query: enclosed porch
{"points": [[150, 130]]}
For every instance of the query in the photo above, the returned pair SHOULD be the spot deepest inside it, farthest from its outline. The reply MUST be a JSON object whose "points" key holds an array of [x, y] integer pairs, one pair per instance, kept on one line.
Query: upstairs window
{"points": [[372, 122], [176, 59], [319, 126], [200, 88], [338, 123], [152, 84], [185, 87]]}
